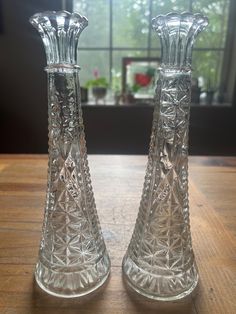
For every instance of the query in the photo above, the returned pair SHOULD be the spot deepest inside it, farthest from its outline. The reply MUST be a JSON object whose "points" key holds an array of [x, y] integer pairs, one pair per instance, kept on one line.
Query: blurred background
{"points": [[118, 55]]}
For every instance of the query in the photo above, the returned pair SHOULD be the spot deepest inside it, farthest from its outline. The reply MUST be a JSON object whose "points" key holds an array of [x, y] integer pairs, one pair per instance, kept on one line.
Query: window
{"points": [[121, 28]]}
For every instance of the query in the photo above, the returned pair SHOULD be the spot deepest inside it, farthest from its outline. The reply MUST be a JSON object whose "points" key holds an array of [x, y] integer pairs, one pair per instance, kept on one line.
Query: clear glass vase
{"points": [[159, 262], [73, 259]]}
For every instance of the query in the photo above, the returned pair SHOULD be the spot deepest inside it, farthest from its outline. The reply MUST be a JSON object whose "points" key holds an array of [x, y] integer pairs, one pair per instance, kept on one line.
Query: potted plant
{"points": [[98, 85]]}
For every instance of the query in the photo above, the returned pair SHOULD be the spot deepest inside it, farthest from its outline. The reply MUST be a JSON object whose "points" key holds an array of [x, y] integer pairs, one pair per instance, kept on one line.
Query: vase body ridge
{"points": [[159, 262], [73, 259]]}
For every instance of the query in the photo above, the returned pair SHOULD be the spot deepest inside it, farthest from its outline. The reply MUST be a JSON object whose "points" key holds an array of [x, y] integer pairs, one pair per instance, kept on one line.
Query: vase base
{"points": [[72, 284], [156, 287]]}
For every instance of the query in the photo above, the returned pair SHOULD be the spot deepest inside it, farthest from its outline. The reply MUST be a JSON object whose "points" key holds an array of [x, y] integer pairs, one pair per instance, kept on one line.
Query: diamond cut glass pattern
{"points": [[73, 260], [159, 262]]}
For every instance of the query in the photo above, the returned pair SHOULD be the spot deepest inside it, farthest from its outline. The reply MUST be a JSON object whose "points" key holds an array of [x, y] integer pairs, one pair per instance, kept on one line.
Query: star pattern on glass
{"points": [[163, 249]]}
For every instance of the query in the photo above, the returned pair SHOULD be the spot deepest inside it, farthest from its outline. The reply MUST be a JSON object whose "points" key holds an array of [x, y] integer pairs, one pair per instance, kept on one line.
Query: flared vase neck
{"points": [[177, 33], [60, 33]]}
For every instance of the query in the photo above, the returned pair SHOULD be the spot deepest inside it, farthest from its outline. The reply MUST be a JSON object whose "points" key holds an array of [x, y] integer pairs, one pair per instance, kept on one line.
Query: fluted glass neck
{"points": [[177, 32], [60, 33]]}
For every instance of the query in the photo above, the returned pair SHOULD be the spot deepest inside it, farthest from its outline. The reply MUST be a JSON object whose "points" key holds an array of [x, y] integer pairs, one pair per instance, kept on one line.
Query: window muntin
{"points": [[121, 28]]}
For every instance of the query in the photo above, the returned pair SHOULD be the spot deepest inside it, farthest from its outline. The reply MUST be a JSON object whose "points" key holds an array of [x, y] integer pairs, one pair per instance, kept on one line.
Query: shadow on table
{"points": [[42, 302], [148, 306], [118, 299]]}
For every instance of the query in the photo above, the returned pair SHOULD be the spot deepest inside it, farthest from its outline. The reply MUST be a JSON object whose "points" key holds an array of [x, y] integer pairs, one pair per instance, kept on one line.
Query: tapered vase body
{"points": [[73, 259], [159, 262]]}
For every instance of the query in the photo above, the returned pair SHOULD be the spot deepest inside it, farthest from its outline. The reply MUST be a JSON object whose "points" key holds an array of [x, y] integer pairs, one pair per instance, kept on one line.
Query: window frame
{"points": [[227, 72]]}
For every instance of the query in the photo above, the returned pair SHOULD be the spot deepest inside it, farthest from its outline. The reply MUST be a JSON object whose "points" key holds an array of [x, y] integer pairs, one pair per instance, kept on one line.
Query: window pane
{"points": [[155, 53], [207, 64], [164, 7], [155, 40], [130, 23], [217, 12], [117, 65], [97, 32], [93, 60]]}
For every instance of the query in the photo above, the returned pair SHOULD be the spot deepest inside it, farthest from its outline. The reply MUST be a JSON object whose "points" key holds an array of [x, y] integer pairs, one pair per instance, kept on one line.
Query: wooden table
{"points": [[117, 182]]}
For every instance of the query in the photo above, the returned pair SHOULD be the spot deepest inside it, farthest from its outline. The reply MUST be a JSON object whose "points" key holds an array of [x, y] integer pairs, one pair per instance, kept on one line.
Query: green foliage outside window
{"points": [[123, 31]]}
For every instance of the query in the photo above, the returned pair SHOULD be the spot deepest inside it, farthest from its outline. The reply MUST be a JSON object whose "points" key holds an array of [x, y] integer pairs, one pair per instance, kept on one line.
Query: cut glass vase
{"points": [[73, 259], [159, 262]]}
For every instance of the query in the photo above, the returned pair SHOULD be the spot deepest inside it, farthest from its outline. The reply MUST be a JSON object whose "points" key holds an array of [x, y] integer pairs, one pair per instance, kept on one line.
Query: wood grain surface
{"points": [[117, 183]]}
